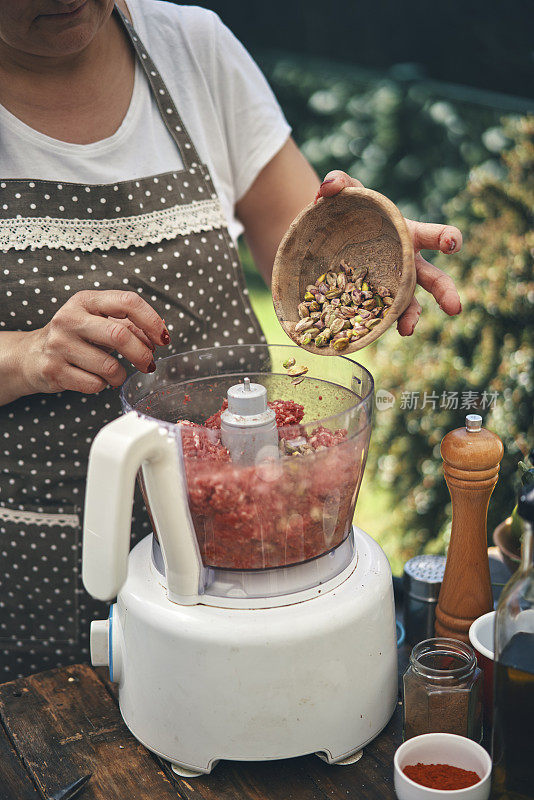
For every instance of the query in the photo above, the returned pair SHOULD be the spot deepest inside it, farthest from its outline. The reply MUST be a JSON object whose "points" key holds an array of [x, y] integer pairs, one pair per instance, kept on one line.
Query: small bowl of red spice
{"points": [[438, 766]]}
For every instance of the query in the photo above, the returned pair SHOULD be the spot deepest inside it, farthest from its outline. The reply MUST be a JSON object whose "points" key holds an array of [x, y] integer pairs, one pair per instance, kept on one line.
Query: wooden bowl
{"points": [[363, 228], [509, 547]]}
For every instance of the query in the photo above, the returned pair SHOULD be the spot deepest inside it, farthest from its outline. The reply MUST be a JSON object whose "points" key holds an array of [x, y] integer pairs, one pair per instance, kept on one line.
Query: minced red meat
{"points": [[278, 512]]}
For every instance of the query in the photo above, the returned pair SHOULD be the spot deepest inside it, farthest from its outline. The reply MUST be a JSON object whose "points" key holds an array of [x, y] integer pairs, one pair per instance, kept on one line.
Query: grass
{"points": [[375, 506]]}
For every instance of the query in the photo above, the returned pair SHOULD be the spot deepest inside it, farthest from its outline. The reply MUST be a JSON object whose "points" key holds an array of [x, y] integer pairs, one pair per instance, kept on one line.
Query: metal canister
{"points": [[422, 581]]}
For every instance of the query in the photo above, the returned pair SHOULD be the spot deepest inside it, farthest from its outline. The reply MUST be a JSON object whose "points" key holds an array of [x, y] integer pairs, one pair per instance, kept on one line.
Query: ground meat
{"points": [[199, 443], [278, 512]]}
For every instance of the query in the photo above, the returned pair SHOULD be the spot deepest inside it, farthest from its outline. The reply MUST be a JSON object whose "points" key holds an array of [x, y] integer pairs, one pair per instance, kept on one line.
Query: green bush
{"points": [[488, 348], [421, 146], [396, 133]]}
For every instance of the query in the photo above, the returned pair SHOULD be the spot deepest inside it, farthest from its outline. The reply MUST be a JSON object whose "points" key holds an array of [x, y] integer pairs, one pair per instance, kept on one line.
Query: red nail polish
{"points": [[165, 338], [328, 180], [151, 367], [452, 246]]}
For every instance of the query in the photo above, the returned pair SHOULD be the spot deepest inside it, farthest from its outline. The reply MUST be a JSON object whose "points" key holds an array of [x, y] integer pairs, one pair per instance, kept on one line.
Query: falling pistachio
{"points": [[296, 372]]}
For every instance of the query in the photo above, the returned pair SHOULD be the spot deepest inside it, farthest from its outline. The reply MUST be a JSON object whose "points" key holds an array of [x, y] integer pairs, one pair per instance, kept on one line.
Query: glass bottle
{"points": [[443, 690], [513, 727]]}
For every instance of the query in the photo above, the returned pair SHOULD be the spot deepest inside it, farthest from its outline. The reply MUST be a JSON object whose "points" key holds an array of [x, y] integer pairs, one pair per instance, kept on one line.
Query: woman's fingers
{"points": [[97, 362], [334, 182], [114, 334], [439, 284], [141, 335], [120, 304], [77, 380], [433, 236], [409, 319]]}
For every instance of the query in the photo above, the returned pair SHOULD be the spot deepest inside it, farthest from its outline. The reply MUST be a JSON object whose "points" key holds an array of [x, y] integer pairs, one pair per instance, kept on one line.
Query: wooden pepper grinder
{"points": [[471, 459]]}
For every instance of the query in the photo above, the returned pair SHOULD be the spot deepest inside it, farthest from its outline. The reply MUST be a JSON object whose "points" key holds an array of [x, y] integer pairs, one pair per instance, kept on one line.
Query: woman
{"points": [[129, 136]]}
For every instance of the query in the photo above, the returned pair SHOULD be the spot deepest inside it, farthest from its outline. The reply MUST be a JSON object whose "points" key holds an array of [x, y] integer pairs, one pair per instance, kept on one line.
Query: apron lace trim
{"points": [[22, 233], [38, 518]]}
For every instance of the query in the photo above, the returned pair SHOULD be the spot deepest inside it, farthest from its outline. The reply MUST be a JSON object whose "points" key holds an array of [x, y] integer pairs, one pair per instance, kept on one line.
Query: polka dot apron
{"points": [[163, 236]]}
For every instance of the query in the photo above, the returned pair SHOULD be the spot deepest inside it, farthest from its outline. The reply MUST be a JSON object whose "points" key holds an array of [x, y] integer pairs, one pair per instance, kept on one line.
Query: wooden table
{"points": [[64, 723]]}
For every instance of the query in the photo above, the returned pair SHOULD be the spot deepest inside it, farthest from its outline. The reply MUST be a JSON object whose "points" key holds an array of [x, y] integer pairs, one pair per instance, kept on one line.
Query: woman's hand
{"points": [[73, 350], [425, 236]]}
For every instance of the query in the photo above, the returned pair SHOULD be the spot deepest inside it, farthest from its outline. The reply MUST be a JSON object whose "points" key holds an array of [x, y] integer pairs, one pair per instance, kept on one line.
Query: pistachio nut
{"points": [[372, 323], [341, 344], [336, 326], [321, 340], [296, 371], [303, 310], [289, 362], [303, 324], [331, 278], [333, 294]]}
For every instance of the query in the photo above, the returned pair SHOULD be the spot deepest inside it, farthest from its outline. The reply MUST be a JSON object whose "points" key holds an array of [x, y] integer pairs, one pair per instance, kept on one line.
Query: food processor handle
{"points": [[117, 453]]}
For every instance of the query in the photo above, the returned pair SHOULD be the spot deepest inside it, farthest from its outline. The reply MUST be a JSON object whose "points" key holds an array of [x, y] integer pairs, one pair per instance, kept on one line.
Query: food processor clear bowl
{"points": [[278, 511]]}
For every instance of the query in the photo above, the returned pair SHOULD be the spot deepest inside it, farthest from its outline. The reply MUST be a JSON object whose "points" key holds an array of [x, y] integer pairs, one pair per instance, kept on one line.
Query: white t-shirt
{"points": [[225, 103]]}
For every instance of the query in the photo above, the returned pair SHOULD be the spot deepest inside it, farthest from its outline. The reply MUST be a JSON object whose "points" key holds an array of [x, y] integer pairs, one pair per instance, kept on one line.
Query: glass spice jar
{"points": [[443, 690]]}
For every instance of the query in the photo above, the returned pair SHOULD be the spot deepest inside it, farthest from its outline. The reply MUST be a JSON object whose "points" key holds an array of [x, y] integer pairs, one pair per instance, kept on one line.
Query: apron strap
{"points": [[165, 103]]}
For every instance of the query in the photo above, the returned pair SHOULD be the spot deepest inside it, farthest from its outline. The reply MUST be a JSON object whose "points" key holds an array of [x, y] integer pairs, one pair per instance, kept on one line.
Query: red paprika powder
{"points": [[441, 776]]}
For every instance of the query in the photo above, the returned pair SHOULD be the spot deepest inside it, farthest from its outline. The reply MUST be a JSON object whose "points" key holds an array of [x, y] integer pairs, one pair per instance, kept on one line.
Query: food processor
{"points": [[255, 622]]}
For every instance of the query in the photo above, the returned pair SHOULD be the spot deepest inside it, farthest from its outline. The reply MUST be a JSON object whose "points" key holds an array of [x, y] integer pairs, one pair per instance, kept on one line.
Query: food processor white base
{"points": [[200, 683]]}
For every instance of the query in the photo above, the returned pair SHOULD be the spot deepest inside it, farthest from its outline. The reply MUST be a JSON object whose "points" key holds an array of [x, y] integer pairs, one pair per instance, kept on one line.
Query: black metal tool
{"points": [[72, 790]]}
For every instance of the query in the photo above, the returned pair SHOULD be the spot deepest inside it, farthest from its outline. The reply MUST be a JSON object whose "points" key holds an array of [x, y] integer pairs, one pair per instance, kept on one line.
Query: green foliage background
{"points": [[440, 158]]}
